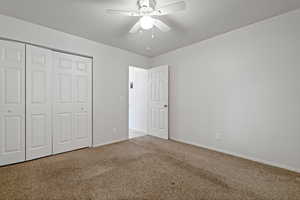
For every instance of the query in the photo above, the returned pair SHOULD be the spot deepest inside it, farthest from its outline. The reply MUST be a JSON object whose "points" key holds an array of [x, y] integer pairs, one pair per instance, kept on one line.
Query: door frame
{"points": [[128, 90]]}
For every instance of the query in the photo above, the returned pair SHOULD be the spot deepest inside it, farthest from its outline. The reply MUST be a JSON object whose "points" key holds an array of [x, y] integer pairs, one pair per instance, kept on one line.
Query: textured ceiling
{"points": [[87, 18]]}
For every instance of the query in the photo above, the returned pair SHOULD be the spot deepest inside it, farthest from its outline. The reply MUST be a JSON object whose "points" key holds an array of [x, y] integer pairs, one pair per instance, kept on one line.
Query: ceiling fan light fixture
{"points": [[147, 22], [146, 10]]}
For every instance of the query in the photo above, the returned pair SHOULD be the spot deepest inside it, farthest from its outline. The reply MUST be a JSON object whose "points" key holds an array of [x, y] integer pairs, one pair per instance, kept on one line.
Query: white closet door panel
{"points": [[62, 103], [12, 102], [12, 54], [72, 103], [82, 81], [62, 131], [38, 117]]}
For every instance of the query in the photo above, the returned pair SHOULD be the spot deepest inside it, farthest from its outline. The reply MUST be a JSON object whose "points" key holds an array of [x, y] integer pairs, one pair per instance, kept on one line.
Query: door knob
{"points": [[9, 111], [165, 106]]}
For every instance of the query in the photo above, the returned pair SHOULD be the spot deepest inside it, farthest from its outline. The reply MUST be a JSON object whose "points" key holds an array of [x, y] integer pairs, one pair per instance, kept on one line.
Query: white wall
{"points": [[243, 85], [138, 100], [110, 73]]}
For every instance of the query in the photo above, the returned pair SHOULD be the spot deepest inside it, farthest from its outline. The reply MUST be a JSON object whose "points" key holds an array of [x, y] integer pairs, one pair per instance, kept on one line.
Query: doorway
{"points": [[148, 102], [137, 102]]}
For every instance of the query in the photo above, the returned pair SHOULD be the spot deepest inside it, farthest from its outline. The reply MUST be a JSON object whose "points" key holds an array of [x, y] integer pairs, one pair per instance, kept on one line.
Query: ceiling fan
{"points": [[146, 10]]}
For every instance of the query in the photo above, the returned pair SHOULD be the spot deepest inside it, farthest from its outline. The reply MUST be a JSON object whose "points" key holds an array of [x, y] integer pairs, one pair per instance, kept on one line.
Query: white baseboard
{"points": [[107, 143], [240, 155]]}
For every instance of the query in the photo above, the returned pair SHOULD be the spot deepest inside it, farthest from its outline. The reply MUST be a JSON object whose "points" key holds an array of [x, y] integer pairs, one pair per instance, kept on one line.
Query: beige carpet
{"points": [[146, 168]]}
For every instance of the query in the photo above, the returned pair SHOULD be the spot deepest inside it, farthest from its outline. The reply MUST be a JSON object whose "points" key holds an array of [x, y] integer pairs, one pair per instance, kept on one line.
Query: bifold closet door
{"points": [[38, 102], [72, 114], [12, 102]]}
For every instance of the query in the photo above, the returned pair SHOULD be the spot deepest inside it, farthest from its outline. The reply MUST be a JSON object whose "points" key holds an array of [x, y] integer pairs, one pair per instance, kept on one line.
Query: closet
{"points": [[45, 102]]}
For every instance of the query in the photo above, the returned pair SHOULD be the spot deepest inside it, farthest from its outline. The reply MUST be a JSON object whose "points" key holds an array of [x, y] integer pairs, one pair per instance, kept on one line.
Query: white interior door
{"points": [[72, 114], [38, 102], [12, 102], [158, 98]]}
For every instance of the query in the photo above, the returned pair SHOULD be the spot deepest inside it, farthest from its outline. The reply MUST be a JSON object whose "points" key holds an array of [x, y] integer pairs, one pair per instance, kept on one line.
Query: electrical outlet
{"points": [[219, 136]]}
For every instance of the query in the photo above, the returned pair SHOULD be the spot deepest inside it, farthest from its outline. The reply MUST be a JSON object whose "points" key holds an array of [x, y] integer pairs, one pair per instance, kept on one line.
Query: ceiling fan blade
{"points": [[171, 8], [161, 25], [135, 27], [123, 12]]}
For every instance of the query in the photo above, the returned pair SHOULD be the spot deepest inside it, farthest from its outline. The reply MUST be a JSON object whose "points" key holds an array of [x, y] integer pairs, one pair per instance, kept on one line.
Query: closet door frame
{"points": [[22, 154]]}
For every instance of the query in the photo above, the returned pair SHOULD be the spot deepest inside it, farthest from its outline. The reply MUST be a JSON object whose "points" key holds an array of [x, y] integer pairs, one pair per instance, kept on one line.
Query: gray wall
{"points": [[110, 73], [242, 87]]}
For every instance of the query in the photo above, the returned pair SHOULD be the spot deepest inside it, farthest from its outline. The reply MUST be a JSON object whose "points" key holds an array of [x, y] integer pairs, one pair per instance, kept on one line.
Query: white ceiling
{"points": [[87, 18]]}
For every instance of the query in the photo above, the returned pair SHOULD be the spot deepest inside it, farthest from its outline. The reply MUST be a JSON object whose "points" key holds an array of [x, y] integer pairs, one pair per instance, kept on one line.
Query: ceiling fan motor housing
{"points": [[146, 6]]}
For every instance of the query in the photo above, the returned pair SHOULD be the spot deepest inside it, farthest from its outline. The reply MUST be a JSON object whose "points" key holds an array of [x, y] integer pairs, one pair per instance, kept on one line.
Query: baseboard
{"points": [[107, 143], [273, 164]]}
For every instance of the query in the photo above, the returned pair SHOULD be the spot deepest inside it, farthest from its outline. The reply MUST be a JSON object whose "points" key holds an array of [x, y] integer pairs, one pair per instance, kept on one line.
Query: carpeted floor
{"points": [[146, 168]]}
